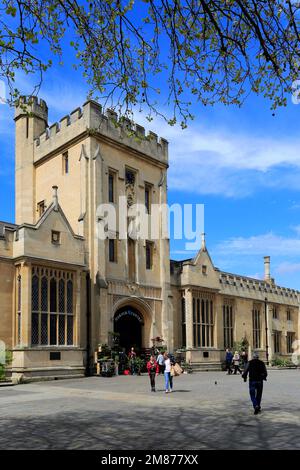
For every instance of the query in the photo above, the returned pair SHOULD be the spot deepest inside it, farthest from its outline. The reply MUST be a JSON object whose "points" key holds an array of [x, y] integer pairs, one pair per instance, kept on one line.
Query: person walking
{"points": [[236, 363], [167, 373], [161, 361], [153, 370], [244, 359], [257, 374], [132, 358], [228, 360]]}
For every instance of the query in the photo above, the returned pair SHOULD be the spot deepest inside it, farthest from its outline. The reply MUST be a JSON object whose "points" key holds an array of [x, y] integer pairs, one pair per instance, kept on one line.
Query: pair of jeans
{"points": [[168, 380], [152, 380], [255, 390], [237, 368]]}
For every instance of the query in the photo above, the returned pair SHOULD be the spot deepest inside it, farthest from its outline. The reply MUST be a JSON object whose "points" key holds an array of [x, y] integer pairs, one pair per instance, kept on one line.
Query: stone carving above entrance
{"points": [[128, 289], [133, 288]]}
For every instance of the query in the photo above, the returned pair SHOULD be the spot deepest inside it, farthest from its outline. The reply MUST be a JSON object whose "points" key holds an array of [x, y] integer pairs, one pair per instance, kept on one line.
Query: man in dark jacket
{"points": [[228, 360], [257, 374]]}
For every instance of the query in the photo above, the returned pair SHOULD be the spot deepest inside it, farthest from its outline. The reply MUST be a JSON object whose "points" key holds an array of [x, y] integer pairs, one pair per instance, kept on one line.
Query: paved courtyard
{"points": [[121, 413]]}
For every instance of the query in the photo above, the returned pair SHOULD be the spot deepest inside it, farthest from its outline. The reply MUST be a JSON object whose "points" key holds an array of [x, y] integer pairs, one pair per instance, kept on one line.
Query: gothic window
{"points": [[52, 307], [256, 322], [277, 342], [289, 342], [131, 259], [203, 322], [53, 295], [148, 191], [149, 255], [70, 297], [65, 163], [228, 326], [275, 312], [61, 296], [35, 307], [111, 187], [288, 315], [112, 252]]}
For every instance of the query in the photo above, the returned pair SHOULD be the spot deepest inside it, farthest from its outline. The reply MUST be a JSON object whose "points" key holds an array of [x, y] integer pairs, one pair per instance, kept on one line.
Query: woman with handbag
{"points": [[169, 372]]}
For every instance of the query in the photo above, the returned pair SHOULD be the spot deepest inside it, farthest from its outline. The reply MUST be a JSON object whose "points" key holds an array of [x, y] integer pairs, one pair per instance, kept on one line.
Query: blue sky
{"points": [[243, 164]]}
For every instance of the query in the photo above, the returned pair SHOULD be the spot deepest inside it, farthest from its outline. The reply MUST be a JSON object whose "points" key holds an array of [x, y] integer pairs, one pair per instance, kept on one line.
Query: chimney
{"points": [[55, 197], [267, 269], [203, 244]]}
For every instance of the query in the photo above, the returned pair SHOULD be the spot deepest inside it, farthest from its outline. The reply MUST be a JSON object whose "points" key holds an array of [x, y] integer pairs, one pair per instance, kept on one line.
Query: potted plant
{"points": [[139, 365]]}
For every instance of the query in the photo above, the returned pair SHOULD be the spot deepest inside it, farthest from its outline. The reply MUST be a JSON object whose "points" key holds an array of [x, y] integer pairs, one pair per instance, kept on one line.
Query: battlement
{"points": [[257, 288], [90, 120], [31, 105]]}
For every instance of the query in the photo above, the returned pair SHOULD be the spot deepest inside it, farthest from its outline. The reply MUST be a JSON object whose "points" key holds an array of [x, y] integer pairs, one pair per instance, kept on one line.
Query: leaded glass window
{"points": [[256, 321], [69, 297], [35, 294], [61, 295], [203, 321], [228, 325], [52, 307]]}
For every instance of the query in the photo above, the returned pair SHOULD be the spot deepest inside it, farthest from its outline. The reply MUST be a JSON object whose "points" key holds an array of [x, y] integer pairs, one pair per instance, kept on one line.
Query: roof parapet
{"points": [[91, 117], [31, 105]]}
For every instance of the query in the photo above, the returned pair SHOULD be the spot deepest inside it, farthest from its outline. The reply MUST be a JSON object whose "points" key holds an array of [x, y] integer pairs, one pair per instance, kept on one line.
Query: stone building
{"points": [[64, 289], [214, 309]]}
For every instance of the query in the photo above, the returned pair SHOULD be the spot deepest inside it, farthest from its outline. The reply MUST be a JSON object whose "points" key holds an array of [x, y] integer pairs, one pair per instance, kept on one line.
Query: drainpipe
{"points": [[88, 324]]}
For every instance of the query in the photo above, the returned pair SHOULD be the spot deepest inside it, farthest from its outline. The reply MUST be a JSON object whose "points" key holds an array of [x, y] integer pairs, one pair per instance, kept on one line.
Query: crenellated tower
{"points": [[31, 117]]}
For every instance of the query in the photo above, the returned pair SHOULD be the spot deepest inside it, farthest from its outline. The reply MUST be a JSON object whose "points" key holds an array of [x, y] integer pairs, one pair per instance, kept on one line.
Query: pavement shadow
{"points": [[169, 428]]}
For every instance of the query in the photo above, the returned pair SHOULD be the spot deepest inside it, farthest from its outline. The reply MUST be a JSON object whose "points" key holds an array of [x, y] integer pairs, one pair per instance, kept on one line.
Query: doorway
{"points": [[128, 322]]}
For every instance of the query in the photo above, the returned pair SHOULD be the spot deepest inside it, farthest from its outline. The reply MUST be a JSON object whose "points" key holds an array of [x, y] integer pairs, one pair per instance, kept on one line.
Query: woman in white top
{"points": [[167, 373]]}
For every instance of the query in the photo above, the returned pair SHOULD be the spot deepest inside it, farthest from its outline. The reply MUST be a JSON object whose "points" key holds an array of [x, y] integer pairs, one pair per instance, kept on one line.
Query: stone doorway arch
{"points": [[132, 319]]}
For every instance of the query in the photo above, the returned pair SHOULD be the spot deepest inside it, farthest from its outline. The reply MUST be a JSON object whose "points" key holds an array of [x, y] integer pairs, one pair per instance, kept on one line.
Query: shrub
{"points": [[278, 362], [8, 359]]}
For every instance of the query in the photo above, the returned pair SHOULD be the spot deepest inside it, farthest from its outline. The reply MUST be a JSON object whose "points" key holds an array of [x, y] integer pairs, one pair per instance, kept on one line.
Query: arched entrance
{"points": [[128, 322]]}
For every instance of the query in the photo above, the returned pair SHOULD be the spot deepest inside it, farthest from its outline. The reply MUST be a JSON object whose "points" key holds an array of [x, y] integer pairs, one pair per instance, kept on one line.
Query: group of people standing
{"points": [[162, 364], [234, 361]]}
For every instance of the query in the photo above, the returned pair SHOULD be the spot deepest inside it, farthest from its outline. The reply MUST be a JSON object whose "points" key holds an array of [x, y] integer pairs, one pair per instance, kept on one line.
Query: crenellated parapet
{"points": [[31, 106], [232, 284], [90, 120]]}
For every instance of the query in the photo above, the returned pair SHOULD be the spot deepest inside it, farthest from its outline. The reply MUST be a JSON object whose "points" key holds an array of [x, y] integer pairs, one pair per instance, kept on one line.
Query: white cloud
{"points": [[265, 244], [206, 161], [287, 268]]}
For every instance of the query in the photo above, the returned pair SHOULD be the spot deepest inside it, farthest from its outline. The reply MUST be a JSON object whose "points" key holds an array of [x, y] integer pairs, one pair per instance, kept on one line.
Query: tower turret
{"points": [[31, 116]]}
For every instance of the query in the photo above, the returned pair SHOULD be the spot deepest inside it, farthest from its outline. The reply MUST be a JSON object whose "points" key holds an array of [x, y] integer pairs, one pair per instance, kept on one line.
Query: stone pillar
{"points": [[218, 312]]}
